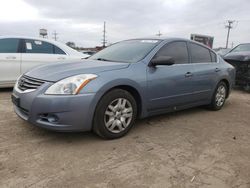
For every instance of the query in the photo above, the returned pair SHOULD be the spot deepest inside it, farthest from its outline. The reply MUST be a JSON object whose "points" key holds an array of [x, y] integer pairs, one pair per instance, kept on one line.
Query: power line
{"points": [[55, 35], [229, 27]]}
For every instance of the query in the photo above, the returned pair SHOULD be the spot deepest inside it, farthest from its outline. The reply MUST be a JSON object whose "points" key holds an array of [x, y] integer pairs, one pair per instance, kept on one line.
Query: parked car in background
{"points": [[223, 51], [239, 57], [20, 54], [128, 80], [88, 52]]}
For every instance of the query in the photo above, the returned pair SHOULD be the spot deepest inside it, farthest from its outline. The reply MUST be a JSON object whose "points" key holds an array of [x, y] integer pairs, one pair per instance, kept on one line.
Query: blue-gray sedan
{"points": [[128, 80]]}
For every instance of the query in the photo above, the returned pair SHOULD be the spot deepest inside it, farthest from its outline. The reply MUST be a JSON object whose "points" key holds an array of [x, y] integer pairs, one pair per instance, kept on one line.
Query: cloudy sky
{"points": [[81, 21]]}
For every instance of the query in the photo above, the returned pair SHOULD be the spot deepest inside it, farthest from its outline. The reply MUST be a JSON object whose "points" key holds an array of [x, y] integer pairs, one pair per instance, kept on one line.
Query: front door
{"points": [[38, 52]]}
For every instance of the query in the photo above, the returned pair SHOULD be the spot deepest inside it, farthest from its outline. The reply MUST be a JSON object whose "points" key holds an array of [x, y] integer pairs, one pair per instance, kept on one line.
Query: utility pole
{"points": [[104, 41], [55, 35], [229, 27], [159, 34]]}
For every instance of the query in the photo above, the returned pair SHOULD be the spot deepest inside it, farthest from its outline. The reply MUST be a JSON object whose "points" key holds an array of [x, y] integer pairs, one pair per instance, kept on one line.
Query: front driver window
{"points": [[177, 50]]}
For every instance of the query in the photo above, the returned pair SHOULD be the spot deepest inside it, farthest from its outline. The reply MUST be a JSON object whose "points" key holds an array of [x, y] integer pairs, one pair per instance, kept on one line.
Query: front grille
{"points": [[28, 83]]}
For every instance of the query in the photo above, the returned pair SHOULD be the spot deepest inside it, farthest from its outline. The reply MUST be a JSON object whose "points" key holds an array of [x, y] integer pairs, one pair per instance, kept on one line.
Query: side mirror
{"points": [[162, 60]]}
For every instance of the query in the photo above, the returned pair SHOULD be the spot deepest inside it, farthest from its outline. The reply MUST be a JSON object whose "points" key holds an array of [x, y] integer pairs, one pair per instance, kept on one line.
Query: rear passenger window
{"points": [[9, 45], [199, 54], [58, 50], [177, 50], [213, 56], [40, 47]]}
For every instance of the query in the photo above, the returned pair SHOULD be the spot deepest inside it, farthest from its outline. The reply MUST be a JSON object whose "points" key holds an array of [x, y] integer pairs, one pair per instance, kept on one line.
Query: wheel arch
{"points": [[135, 93], [227, 84]]}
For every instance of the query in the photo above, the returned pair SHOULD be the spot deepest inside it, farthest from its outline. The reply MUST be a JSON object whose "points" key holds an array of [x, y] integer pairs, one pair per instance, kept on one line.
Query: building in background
{"points": [[204, 39]]}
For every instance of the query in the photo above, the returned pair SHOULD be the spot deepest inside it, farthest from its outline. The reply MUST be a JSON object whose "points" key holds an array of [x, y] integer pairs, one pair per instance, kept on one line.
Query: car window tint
{"points": [[9, 45], [58, 50], [199, 54], [36, 46], [129, 51], [213, 56], [177, 50]]}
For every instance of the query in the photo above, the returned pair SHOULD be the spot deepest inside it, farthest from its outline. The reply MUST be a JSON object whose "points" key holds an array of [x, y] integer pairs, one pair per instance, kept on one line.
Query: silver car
{"points": [[128, 80]]}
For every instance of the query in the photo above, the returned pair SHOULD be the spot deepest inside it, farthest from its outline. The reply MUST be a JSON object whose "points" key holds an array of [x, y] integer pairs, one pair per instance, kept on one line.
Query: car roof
{"points": [[242, 44], [169, 39], [33, 38], [161, 38], [24, 37]]}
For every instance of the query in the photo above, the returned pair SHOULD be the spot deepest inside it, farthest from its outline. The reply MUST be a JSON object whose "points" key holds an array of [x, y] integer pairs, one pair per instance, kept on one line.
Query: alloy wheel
{"points": [[220, 95], [118, 115]]}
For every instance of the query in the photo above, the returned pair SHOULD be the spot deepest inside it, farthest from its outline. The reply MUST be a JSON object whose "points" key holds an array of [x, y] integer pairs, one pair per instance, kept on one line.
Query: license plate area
{"points": [[15, 100]]}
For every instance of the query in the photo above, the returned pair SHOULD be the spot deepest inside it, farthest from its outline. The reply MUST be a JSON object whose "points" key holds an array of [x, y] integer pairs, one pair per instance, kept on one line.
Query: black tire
{"points": [[99, 126], [214, 104]]}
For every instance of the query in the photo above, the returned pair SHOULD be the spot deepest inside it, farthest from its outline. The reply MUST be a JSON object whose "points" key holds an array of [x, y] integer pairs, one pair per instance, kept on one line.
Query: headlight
{"points": [[71, 85], [16, 84]]}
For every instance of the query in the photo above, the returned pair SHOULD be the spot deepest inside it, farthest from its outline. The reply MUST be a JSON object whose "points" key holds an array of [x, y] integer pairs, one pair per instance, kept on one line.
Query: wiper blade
{"points": [[102, 59]]}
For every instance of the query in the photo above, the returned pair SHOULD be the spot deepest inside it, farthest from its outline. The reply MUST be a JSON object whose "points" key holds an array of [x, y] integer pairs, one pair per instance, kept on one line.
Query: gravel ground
{"points": [[191, 148]]}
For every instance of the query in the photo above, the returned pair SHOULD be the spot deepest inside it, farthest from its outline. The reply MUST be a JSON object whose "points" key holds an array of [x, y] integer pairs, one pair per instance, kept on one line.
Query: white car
{"points": [[20, 54]]}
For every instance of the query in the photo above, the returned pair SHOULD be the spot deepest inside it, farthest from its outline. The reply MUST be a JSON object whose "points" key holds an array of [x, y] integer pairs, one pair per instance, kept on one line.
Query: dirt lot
{"points": [[192, 148]]}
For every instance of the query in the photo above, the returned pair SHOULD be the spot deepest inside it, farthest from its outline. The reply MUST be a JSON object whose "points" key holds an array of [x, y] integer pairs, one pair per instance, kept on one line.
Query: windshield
{"points": [[241, 48], [129, 51]]}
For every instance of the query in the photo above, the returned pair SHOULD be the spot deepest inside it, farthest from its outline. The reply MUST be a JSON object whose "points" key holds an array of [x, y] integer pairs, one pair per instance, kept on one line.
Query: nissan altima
{"points": [[128, 80]]}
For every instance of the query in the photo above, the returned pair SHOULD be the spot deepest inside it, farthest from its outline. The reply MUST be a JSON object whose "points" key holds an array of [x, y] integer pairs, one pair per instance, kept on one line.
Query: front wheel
{"points": [[115, 114], [219, 96]]}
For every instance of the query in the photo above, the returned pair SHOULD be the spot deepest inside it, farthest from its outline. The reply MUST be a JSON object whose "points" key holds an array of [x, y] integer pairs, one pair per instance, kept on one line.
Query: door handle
{"points": [[188, 74], [10, 57], [217, 70], [61, 58]]}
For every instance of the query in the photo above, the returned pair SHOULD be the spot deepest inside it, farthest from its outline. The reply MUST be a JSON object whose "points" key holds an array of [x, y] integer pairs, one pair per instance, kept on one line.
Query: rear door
{"points": [[37, 52], [206, 70], [10, 60], [171, 86]]}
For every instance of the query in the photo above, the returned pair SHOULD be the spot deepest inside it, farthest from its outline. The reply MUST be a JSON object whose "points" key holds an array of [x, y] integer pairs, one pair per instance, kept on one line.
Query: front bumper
{"points": [[242, 80], [54, 112], [242, 68]]}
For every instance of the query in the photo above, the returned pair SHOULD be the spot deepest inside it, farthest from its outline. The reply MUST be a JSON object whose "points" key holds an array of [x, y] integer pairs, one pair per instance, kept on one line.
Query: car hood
{"points": [[58, 71], [238, 56]]}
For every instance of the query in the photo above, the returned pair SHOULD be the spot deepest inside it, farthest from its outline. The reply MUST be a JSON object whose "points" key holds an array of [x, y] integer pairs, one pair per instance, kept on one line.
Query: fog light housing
{"points": [[51, 118]]}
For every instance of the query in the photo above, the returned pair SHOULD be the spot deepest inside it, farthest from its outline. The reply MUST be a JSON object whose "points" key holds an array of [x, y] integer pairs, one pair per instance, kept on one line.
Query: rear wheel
{"points": [[219, 96], [115, 114]]}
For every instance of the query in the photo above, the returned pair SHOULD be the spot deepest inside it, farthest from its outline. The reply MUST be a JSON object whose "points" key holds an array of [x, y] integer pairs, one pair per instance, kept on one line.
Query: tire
{"points": [[115, 114], [219, 96]]}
